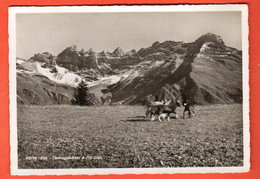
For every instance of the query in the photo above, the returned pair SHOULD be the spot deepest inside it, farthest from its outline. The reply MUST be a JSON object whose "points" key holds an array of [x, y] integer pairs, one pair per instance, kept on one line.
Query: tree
{"points": [[81, 95]]}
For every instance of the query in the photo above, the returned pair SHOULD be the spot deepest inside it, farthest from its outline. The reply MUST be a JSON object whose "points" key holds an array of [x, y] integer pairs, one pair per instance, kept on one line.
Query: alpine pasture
{"points": [[118, 137]]}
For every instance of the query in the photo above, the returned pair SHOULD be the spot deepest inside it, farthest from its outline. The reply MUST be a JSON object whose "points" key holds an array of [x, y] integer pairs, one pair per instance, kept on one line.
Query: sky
{"points": [[53, 32]]}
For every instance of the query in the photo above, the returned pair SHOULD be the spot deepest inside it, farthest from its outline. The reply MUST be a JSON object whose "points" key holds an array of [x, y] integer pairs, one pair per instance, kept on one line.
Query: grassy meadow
{"points": [[119, 137]]}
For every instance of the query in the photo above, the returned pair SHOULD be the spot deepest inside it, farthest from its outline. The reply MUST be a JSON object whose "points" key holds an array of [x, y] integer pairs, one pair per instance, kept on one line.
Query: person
{"points": [[188, 107]]}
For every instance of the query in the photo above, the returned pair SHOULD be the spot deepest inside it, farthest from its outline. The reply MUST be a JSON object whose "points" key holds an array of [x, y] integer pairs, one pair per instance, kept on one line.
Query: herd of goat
{"points": [[163, 109]]}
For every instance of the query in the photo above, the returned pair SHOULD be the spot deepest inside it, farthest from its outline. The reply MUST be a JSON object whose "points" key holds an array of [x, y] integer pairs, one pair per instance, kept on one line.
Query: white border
{"points": [[92, 9]]}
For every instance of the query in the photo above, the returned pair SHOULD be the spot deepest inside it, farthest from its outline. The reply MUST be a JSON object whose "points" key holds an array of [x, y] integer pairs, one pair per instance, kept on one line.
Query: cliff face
{"points": [[211, 71], [205, 71], [217, 74], [105, 63], [75, 60], [102, 63], [46, 58]]}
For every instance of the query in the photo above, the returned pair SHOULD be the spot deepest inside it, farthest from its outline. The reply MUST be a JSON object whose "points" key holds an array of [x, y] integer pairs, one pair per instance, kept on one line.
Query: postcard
{"points": [[129, 89]]}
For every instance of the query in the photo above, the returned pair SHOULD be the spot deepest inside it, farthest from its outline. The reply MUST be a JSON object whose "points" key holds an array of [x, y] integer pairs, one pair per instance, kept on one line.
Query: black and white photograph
{"points": [[129, 89]]}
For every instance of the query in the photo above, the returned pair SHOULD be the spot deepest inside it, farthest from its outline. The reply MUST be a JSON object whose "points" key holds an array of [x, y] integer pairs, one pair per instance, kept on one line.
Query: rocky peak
{"points": [[82, 51], [72, 48], [132, 53], [44, 57], [90, 51], [209, 37], [88, 61], [202, 42], [118, 52], [156, 44], [47, 55], [102, 54]]}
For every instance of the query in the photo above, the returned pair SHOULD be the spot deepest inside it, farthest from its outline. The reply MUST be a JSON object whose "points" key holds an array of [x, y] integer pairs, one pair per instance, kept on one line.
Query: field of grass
{"points": [[117, 136]]}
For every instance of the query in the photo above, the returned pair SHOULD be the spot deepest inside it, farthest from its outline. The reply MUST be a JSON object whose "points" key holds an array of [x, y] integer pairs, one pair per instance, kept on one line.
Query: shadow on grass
{"points": [[137, 119]]}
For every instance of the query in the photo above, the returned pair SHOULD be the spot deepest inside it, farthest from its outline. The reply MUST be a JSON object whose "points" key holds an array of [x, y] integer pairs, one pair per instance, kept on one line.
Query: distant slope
{"points": [[212, 72], [205, 72], [39, 90], [208, 72], [146, 78]]}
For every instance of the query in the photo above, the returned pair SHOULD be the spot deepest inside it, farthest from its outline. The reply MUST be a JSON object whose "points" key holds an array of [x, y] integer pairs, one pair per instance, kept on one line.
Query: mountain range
{"points": [[205, 71]]}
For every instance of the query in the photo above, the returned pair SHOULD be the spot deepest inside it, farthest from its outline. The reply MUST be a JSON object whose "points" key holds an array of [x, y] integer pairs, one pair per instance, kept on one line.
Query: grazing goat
{"points": [[161, 109]]}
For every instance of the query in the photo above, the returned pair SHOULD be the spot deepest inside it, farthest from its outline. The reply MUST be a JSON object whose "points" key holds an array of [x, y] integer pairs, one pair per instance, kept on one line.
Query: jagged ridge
{"points": [[205, 71], [210, 72]]}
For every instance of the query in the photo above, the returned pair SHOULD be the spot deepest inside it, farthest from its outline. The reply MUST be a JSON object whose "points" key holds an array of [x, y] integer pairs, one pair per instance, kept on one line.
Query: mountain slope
{"points": [[39, 90], [205, 72], [35, 89], [212, 72], [209, 72]]}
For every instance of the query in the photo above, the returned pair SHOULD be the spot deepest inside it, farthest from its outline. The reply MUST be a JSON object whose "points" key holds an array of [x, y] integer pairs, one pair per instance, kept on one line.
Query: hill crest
{"points": [[205, 71]]}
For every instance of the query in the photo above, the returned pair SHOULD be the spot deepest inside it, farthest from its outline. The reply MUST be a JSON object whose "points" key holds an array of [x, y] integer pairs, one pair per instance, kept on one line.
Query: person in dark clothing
{"points": [[188, 107]]}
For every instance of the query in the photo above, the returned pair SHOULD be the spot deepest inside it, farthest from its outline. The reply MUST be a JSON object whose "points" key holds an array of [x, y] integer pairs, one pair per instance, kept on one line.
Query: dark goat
{"points": [[160, 108]]}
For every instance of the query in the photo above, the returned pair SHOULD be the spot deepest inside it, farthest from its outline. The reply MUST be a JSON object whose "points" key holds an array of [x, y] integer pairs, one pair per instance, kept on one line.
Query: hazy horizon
{"points": [[53, 32]]}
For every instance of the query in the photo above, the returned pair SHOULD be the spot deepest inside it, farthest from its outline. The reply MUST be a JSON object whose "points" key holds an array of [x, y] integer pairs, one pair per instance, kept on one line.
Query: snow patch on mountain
{"points": [[108, 80], [19, 61], [62, 75], [158, 63]]}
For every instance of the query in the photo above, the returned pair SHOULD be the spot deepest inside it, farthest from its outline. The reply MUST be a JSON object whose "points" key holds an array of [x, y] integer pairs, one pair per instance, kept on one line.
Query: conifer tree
{"points": [[81, 95]]}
